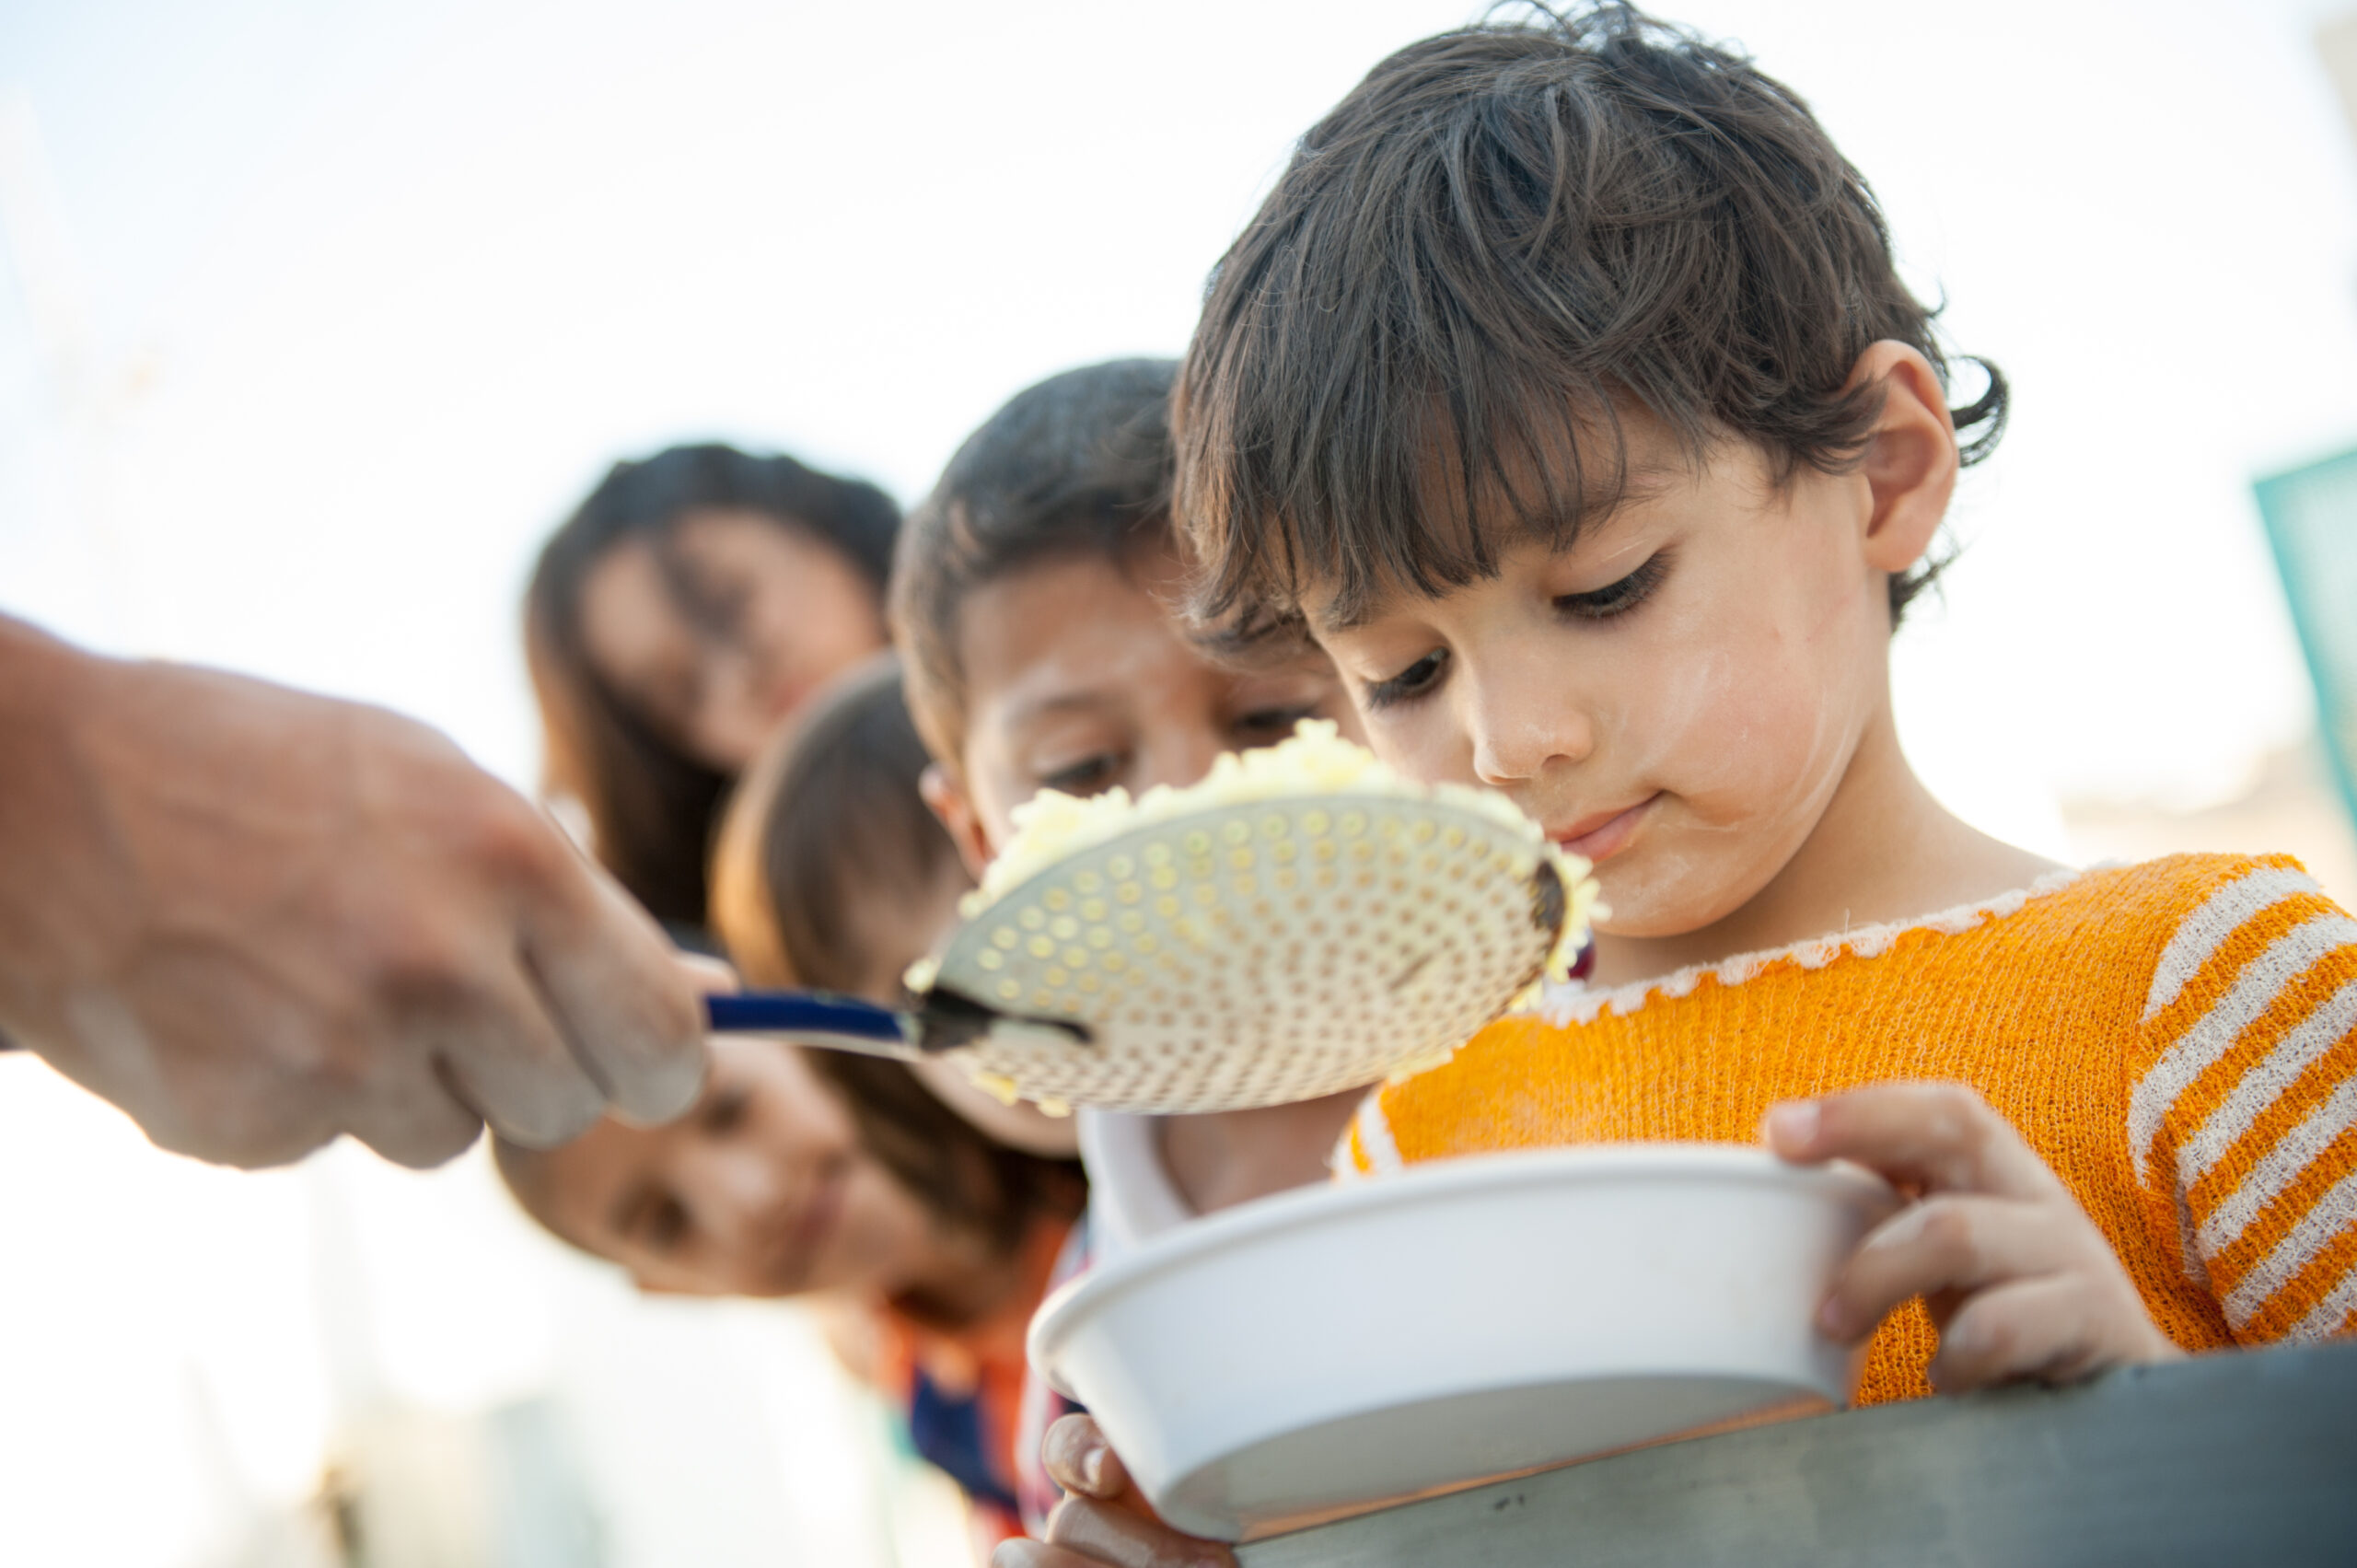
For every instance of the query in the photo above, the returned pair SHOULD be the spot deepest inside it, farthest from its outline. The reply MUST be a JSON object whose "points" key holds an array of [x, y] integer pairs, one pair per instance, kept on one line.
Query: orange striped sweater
{"points": [[2177, 1040]]}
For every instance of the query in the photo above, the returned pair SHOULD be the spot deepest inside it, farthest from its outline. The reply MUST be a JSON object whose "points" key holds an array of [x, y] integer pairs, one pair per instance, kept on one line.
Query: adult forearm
{"points": [[255, 918], [42, 681]]}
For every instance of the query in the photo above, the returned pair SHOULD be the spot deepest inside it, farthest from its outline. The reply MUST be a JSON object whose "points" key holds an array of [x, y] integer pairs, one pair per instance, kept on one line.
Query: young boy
{"points": [[1036, 598], [1564, 393]]}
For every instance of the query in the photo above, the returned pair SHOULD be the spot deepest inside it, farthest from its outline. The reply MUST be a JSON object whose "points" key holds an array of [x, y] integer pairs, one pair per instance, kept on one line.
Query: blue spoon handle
{"points": [[820, 1018]]}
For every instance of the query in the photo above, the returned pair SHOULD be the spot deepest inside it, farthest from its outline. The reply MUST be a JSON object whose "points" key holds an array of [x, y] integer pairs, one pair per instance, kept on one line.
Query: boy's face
{"points": [[1677, 697], [1080, 677], [762, 1189]]}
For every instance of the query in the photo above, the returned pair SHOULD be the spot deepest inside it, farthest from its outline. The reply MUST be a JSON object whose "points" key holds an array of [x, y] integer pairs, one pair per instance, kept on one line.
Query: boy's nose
{"points": [[741, 1194], [1181, 754], [1521, 723]]}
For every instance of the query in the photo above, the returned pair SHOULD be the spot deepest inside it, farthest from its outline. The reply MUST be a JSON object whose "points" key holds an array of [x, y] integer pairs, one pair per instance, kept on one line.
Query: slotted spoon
{"points": [[1250, 953]]}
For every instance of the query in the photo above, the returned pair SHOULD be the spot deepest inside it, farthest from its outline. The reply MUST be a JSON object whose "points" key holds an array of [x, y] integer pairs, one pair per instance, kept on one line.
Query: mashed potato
{"points": [[1316, 761]]}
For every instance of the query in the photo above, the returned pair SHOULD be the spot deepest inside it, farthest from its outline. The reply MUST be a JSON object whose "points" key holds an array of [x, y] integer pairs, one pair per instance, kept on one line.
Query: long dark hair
{"points": [[831, 817], [651, 807]]}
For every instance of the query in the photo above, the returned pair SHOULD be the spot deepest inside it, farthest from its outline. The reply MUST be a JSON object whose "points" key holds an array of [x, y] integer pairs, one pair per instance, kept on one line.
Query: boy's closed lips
{"points": [[1602, 834]]}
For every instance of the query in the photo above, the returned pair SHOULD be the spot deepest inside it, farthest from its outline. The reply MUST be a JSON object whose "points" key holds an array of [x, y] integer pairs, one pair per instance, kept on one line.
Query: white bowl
{"points": [[1338, 1348]]}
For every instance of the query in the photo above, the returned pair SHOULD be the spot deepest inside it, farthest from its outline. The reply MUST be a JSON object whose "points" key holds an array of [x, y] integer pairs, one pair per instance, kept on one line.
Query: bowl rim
{"points": [[1426, 1181]]}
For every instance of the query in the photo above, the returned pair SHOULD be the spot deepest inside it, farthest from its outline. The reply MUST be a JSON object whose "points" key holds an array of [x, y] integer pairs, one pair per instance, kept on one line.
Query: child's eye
{"points": [[1266, 726], [1410, 683], [724, 1111], [1090, 775], [717, 602], [664, 1226], [1617, 598]]}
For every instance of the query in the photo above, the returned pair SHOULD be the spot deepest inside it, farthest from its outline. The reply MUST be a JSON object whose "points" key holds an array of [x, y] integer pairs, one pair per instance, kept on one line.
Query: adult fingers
{"points": [[506, 1060], [2057, 1328], [1936, 1137], [631, 1010], [710, 976], [1952, 1242], [409, 1111], [1037, 1555], [1078, 1459], [210, 1065], [1106, 1532]]}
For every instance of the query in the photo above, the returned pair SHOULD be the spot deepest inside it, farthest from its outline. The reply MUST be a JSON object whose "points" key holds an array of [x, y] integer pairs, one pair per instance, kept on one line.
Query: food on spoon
{"points": [[1316, 761]]}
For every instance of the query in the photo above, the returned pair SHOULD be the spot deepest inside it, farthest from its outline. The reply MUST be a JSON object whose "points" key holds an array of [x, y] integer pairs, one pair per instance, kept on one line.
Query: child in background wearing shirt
{"points": [[1563, 392], [849, 1178]]}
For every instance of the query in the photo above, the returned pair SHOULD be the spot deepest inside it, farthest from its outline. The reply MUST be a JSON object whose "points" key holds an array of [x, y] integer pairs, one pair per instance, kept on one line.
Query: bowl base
{"points": [[1379, 1457]]}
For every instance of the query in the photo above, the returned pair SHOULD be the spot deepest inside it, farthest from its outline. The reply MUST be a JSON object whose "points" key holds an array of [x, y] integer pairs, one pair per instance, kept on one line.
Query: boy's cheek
{"points": [[1427, 742]]}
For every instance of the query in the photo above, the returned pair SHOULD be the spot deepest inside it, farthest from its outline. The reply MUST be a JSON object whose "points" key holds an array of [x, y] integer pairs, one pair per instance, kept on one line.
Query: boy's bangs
{"points": [[1503, 243], [1402, 491]]}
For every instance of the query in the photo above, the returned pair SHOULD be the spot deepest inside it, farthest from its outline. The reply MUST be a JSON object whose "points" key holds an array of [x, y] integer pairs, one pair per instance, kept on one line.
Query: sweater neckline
{"points": [[1564, 1005]]}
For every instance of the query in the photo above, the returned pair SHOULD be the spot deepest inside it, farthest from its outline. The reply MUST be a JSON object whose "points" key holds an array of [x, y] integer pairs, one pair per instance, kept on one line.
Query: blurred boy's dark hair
{"points": [[1498, 245], [1078, 464]]}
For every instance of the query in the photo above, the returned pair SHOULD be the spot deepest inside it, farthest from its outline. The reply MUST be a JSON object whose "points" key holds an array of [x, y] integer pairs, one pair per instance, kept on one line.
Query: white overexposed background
{"points": [[316, 316]]}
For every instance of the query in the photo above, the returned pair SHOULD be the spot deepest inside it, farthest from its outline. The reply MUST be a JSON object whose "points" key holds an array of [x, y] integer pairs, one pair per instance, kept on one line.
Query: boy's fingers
{"points": [[1949, 1243], [1938, 1137], [1080, 1460], [1105, 1532], [2059, 1328]]}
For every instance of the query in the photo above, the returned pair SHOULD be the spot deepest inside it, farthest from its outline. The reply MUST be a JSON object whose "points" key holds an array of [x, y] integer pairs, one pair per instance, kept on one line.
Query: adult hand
{"points": [[255, 919], [2019, 1280], [1104, 1517]]}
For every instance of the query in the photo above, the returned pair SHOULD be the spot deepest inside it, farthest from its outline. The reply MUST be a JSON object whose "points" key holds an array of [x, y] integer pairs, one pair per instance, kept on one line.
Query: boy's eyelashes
{"points": [[1616, 598], [1276, 722], [1416, 681], [1101, 771], [1089, 775], [1619, 597]]}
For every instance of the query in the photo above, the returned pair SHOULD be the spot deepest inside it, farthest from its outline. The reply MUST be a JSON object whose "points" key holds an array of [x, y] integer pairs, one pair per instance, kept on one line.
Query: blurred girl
{"points": [[693, 603], [816, 1172]]}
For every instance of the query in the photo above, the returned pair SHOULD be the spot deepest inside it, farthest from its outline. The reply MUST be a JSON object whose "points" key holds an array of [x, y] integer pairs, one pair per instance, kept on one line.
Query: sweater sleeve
{"points": [[2242, 1109]]}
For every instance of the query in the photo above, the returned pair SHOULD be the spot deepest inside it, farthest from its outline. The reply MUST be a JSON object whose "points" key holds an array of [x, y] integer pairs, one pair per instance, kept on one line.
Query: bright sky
{"points": [[315, 317], [335, 308]]}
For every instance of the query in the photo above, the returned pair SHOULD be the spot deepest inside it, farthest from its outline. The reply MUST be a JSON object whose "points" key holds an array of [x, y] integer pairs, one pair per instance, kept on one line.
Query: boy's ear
{"points": [[945, 792], [1911, 461]]}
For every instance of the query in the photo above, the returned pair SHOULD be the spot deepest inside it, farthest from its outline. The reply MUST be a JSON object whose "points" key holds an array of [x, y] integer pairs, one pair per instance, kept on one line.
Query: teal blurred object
{"points": [[2310, 516]]}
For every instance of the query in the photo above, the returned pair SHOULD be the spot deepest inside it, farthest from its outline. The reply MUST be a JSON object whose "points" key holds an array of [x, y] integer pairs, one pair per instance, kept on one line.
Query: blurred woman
{"points": [[689, 606]]}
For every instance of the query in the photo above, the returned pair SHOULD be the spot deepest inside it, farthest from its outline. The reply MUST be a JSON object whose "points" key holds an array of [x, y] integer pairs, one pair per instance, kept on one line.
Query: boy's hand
{"points": [[2019, 1280], [1103, 1517]]}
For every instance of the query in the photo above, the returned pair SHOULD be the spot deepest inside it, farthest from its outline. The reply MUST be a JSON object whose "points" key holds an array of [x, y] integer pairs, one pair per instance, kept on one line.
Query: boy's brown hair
{"points": [[1076, 465], [1500, 239]]}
